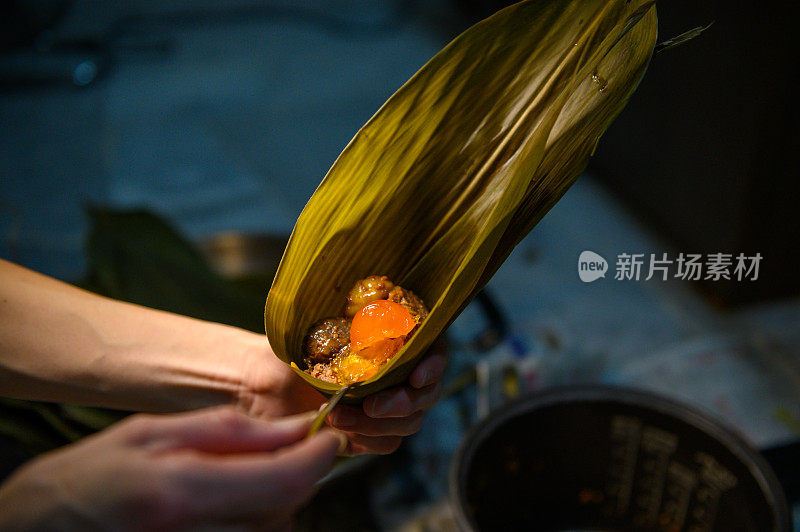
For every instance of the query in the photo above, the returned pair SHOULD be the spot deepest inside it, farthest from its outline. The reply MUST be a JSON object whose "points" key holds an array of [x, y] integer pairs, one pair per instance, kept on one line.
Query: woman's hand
{"points": [[377, 426], [216, 468], [99, 352]]}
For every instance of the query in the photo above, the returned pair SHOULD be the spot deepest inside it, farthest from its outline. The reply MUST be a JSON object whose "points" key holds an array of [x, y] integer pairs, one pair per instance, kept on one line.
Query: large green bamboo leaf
{"points": [[458, 165]]}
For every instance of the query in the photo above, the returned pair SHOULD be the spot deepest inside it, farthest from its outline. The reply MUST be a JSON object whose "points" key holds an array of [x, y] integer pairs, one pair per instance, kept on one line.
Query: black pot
{"points": [[599, 458]]}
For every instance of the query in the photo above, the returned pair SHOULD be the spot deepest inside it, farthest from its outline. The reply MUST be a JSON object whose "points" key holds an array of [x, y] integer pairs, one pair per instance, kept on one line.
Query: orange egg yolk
{"points": [[376, 323], [359, 366]]}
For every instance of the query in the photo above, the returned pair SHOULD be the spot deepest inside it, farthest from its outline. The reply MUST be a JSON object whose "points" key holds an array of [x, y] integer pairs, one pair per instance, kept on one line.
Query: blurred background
{"points": [[160, 152]]}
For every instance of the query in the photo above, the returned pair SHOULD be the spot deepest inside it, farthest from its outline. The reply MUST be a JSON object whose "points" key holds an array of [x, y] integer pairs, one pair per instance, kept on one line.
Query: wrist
{"points": [[175, 364], [215, 367], [269, 387]]}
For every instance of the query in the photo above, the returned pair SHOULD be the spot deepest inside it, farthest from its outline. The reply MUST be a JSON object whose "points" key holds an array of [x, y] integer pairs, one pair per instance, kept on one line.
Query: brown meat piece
{"points": [[324, 339], [323, 372], [366, 291], [410, 302], [329, 338]]}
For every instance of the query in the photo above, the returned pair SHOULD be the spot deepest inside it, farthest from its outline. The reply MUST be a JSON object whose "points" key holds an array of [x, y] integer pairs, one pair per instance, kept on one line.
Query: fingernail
{"points": [[344, 418], [342, 442], [381, 405], [427, 378]]}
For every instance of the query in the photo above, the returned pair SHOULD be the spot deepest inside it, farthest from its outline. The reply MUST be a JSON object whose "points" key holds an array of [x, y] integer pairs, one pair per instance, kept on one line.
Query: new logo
{"points": [[591, 266]]}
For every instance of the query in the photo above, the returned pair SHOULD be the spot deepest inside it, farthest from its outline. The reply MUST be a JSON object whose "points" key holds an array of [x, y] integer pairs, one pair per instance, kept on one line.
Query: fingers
{"points": [[353, 419], [394, 412], [218, 430], [235, 486], [401, 402], [431, 368], [360, 444]]}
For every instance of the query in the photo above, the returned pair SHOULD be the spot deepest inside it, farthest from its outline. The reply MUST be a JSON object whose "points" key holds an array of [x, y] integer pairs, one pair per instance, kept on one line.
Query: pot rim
{"points": [[742, 450]]}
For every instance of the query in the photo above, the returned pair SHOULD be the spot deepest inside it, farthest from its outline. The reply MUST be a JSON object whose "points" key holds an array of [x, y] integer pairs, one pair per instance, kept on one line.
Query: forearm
{"points": [[60, 343]]}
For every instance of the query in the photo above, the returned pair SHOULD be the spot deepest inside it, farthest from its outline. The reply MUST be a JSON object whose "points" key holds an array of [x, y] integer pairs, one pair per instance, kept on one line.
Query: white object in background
{"points": [[504, 373]]}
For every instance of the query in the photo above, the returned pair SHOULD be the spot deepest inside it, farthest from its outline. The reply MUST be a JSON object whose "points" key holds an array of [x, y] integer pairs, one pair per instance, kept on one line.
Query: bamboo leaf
{"points": [[458, 165]]}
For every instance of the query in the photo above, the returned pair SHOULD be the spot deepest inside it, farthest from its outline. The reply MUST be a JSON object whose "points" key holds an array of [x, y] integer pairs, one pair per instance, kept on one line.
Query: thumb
{"points": [[226, 430]]}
